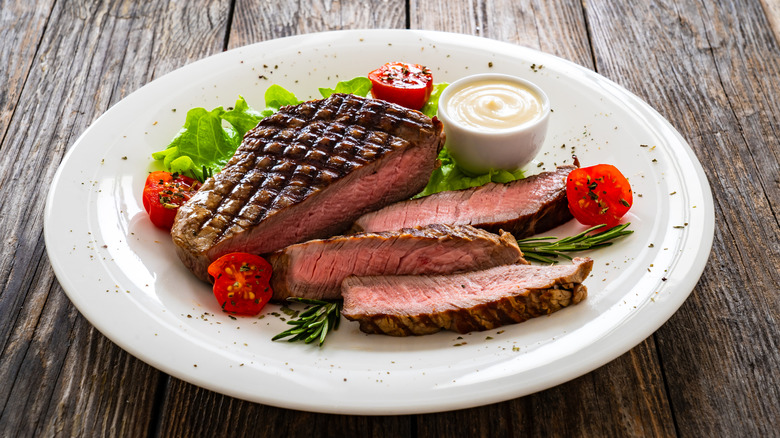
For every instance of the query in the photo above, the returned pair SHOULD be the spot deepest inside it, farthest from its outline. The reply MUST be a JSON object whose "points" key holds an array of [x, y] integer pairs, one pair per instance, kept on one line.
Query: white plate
{"points": [[123, 275]]}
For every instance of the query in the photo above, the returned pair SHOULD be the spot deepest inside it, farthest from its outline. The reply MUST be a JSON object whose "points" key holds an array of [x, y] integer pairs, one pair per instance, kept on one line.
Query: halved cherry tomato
{"points": [[241, 283], [408, 85], [164, 193], [598, 195]]}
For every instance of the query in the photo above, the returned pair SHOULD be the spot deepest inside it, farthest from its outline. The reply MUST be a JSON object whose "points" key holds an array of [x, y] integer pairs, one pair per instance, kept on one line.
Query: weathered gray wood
{"points": [[21, 28], [709, 67], [257, 20], [713, 71], [606, 402], [59, 375], [195, 411], [772, 11], [556, 27]]}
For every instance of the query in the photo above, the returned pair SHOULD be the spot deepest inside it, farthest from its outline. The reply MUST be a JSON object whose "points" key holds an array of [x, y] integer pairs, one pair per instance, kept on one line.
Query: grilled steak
{"points": [[315, 269], [524, 207], [307, 172], [481, 300]]}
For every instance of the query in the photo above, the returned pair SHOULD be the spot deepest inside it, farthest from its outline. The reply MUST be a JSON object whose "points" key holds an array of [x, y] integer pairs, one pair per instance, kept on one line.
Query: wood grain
{"points": [[192, 410], [257, 20], [712, 68], [21, 32], [605, 402], [715, 89], [556, 27], [772, 11], [59, 375]]}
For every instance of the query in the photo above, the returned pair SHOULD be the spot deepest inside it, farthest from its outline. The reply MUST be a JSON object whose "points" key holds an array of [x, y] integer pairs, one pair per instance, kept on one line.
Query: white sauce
{"points": [[494, 105]]}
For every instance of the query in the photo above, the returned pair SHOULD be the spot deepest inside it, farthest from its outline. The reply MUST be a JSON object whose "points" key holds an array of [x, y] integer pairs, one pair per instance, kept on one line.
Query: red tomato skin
{"points": [[598, 195], [164, 193], [241, 283], [408, 85]]}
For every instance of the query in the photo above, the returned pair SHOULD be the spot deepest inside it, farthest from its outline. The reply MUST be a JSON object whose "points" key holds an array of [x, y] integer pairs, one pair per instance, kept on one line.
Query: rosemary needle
{"points": [[542, 250], [315, 322]]}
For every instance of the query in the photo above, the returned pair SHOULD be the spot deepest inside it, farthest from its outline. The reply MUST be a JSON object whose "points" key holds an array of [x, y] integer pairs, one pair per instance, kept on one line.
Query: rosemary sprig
{"points": [[315, 322], [542, 250]]}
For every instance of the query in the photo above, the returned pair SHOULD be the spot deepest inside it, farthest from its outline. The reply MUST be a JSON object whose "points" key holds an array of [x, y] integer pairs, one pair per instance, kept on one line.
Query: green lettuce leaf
{"points": [[276, 97], [203, 146], [359, 86], [432, 106], [242, 117], [209, 138], [450, 177]]}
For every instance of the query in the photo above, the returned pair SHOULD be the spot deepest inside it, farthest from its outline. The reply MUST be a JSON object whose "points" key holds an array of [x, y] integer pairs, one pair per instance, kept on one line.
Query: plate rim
{"points": [[612, 349]]}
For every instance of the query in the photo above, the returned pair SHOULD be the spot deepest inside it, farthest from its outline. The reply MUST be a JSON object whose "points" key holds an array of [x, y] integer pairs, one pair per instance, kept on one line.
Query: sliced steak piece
{"points": [[315, 269], [481, 300], [307, 172], [524, 207]]}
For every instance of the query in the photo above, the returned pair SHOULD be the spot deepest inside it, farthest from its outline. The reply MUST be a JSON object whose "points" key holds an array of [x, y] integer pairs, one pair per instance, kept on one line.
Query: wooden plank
{"points": [[711, 69], [606, 402], [18, 61], [772, 12], [257, 20], [556, 27], [194, 411], [59, 375], [21, 28], [714, 71]]}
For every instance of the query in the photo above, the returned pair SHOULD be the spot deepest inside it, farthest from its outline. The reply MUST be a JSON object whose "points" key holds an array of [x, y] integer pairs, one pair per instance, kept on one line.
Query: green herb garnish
{"points": [[542, 250], [315, 322]]}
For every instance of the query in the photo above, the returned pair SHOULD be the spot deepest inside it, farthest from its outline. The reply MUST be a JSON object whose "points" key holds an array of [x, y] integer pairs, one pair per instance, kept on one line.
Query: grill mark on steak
{"points": [[316, 269], [524, 207], [282, 185], [480, 300], [279, 160]]}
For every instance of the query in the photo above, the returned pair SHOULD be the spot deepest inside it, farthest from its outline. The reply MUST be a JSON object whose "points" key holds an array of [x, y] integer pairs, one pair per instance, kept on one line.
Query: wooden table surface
{"points": [[709, 67]]}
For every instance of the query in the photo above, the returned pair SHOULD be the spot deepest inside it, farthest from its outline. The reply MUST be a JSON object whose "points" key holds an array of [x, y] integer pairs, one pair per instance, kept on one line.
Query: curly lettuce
{"points": [[207, 140]]}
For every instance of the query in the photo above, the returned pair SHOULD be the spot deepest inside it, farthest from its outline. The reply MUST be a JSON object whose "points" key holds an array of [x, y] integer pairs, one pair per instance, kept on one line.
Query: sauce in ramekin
{"points": [[494, 105]]}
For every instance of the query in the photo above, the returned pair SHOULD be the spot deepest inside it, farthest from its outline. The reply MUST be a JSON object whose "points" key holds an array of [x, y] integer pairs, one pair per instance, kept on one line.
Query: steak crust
{"points": [[315, 269], [306, 172], [524, 207], [480, 300]]}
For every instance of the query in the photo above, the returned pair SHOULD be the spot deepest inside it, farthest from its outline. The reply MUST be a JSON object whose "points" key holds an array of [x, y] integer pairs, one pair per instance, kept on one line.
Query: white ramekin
{"points": [[477, 151]]}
